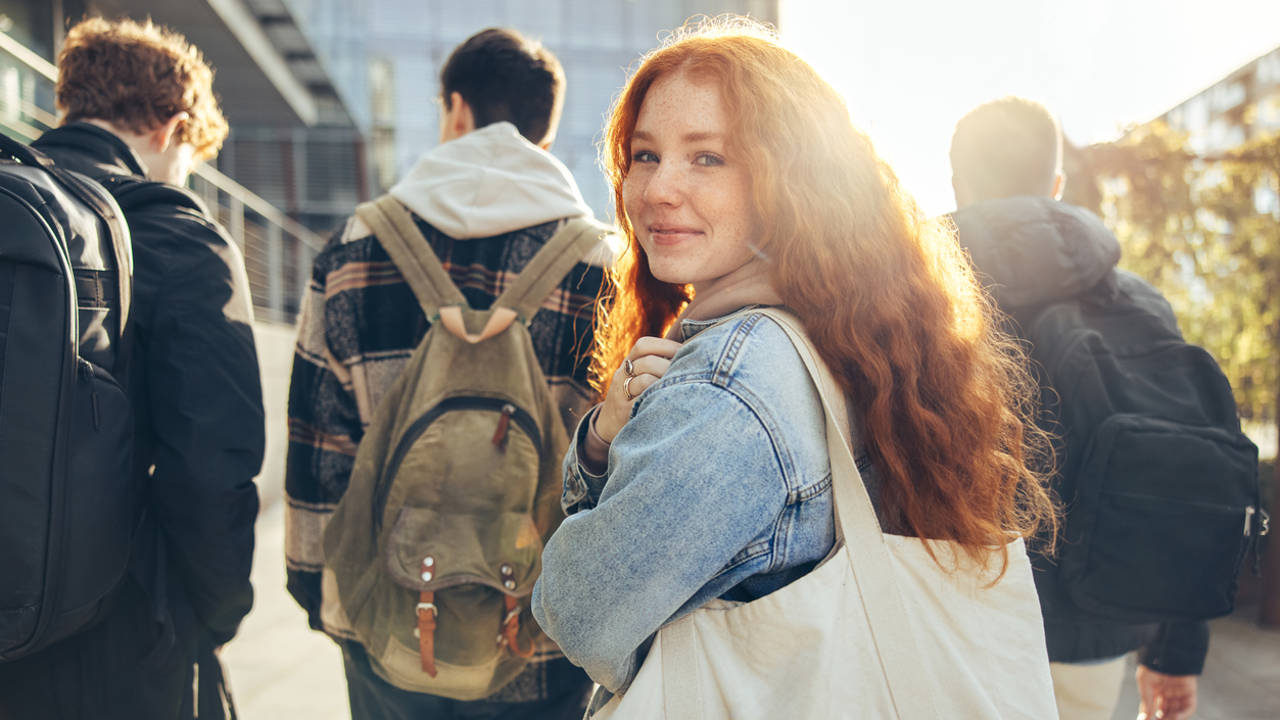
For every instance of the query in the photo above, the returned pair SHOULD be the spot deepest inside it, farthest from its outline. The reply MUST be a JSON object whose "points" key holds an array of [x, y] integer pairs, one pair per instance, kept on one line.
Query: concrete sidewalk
{"points": [[281, 670]]}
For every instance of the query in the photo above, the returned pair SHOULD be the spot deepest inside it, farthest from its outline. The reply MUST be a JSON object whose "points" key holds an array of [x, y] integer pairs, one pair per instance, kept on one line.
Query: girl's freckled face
{"points": [[688, 193]]}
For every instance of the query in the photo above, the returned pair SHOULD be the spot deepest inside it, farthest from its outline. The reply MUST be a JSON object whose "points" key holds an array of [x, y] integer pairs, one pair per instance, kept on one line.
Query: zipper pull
{"points": [[1248, 521], [86, 370], [500, 434]]}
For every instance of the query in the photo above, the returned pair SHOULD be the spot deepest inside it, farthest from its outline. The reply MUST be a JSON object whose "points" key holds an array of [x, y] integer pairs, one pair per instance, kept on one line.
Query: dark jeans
{"points": [[373, 698]]}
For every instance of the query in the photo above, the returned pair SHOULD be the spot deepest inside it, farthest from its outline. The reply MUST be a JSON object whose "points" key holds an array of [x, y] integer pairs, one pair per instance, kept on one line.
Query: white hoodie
{"points": [[489, 182]]}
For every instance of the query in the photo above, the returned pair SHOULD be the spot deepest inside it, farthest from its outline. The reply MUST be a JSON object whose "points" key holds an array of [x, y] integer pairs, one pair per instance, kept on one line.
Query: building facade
{"points": [[385, 58], [268, 81], [1238, 108]]}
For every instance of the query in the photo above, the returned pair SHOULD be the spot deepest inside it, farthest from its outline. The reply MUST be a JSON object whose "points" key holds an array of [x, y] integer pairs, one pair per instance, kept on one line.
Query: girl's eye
{"points": [[708, 160], [643, 156]]}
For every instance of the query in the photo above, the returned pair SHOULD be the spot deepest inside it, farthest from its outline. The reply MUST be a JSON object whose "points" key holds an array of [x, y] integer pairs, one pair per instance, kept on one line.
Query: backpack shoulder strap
{"points": [[399, 235], [87, 192], [121, 241], [549, 266], [137, 194]]}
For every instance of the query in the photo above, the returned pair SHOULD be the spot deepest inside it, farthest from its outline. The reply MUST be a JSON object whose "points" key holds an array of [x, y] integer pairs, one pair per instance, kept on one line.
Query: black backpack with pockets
{"points": [[69, 501], [1160, 486]]}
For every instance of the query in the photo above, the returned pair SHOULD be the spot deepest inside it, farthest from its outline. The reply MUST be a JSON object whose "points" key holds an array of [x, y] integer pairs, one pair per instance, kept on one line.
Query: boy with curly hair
{"points": [[138, 112]]}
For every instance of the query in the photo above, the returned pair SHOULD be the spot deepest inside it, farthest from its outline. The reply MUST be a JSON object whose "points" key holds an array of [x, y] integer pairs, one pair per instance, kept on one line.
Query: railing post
{"points": [[275, 272], [303, 270], [235, 220]]}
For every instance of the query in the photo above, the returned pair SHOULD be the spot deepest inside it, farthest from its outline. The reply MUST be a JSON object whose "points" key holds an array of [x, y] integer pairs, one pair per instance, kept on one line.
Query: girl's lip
{"points": [[671, 234]]}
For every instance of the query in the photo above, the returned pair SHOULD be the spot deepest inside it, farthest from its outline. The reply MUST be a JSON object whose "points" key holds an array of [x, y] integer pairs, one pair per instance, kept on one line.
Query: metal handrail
{"points": [[205, 172], [269, 212], [29, 58]]}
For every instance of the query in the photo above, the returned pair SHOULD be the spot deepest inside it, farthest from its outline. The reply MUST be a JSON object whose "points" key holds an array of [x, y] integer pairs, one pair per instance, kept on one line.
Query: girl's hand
{"points": [[647, 361]]}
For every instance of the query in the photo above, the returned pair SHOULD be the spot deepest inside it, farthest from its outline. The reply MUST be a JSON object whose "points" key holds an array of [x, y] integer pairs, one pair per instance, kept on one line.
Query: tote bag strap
{"points": [[911, 690], [857, 525]]}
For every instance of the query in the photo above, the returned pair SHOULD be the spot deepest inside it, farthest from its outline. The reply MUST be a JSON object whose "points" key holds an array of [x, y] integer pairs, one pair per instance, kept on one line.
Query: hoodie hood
{"points": [[1033, 250], [489, 182]]}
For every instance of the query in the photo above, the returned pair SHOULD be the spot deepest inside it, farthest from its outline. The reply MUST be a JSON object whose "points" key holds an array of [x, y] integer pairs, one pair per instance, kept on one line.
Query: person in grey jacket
{"points": [[1033, 249]]}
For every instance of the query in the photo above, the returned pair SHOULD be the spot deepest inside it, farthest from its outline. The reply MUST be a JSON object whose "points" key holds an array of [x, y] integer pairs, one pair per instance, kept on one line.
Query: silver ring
{"points": [[629, 368], [626, 387]]}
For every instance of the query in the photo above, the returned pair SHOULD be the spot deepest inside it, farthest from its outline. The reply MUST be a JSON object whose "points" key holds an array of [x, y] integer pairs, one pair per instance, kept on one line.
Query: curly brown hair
{"points": [[887, 296], [137, 75]]}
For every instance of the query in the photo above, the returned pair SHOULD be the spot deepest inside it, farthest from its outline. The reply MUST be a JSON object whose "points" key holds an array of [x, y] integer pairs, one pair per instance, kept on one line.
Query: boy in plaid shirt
{"points": [[487, 198]]}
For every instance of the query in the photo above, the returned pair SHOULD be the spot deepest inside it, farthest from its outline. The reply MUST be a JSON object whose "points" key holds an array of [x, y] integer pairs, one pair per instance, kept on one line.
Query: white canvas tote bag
{"points": [[877, 630]]}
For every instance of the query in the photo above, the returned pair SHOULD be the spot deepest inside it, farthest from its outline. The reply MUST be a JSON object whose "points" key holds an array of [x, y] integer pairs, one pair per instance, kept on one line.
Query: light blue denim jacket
{"points": [[718, 486]]}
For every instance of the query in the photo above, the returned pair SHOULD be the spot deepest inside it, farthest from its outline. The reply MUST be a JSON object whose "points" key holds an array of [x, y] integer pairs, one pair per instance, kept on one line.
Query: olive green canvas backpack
{"points": [[436, 544]]}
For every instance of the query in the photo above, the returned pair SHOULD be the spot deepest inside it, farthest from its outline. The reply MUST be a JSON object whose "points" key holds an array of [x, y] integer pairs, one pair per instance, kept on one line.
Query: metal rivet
{"points": [[426, 576], [428, 561], [509, 584], [506, 569]]}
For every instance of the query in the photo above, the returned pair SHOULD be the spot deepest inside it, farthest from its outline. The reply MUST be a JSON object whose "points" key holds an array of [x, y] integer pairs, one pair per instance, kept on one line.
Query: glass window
{"points": [[397, 17], [595, 24], [458, 21], [542, 20]]}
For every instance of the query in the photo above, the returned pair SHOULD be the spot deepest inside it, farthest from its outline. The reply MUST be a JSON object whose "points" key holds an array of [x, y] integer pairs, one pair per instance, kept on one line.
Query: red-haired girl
{"points": [[740, 182]]}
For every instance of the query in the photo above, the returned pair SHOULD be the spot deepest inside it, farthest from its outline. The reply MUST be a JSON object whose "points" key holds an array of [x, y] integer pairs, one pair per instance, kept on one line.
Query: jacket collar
{"points": [[687, 328], [102, 147], [1032, 250]]}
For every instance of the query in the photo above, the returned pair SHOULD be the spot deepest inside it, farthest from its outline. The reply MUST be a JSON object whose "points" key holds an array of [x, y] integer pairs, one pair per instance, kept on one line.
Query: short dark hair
{"points": [[504, 76], [1006, 147]]}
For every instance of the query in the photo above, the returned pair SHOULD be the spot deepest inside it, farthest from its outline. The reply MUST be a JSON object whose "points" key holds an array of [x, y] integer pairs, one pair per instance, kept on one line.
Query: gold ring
{"points": [[629, 368], [626, 387]]}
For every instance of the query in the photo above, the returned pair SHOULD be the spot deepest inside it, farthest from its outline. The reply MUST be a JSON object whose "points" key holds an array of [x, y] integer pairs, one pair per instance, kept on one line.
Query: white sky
{"points": [[911, 68]]}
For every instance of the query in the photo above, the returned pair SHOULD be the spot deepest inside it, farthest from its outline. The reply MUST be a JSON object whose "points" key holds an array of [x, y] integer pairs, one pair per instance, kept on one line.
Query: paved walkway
{"points": [[1241, 678], [281, 670]]}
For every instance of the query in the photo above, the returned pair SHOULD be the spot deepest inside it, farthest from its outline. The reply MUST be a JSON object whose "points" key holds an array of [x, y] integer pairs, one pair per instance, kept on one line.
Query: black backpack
{"points": [[1159, 484], [69, 500]]}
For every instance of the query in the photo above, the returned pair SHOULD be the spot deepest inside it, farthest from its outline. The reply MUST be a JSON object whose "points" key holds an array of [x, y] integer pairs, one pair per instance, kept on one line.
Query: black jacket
{"points": [[196, 390], [1031, 251]]}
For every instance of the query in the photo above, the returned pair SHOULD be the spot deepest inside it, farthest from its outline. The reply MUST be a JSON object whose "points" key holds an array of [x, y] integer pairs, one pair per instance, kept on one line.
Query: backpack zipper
{"points": [[500, 434], [86, 371], [509, 413], [1263, 521]]}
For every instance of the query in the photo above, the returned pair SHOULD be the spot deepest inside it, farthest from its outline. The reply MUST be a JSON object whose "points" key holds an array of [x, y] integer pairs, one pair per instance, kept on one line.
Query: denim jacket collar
{"points": [[689, 328]]}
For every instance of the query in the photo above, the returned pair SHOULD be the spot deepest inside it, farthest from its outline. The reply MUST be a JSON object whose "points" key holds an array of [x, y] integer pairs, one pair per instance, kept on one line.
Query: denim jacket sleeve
{"points": [[692, 479], [582, 487]]}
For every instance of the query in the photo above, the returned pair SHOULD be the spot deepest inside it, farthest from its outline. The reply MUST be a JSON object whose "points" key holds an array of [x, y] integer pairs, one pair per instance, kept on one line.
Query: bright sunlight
{"points": [[911, 68]]}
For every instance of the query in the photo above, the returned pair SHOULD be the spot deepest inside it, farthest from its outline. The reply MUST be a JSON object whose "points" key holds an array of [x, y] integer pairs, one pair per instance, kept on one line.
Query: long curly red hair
{"points": [[886, 295]]}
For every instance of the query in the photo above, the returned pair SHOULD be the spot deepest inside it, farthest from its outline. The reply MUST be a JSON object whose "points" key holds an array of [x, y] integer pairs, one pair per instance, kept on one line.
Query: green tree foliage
{"points": [[1206, 232]]}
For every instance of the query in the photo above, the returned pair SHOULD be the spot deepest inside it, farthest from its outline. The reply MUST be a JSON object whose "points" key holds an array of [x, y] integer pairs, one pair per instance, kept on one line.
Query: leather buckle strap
{"points": [[427, 631], [511, 628]]}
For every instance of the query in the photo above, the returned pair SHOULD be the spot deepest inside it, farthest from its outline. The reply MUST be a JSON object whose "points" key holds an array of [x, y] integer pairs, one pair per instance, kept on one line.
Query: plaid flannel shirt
{"points": [[358, 326]]}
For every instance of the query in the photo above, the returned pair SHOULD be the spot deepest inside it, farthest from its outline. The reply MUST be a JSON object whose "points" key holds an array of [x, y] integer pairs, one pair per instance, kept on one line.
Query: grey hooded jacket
{"points": [[1031, 252]]}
